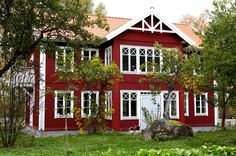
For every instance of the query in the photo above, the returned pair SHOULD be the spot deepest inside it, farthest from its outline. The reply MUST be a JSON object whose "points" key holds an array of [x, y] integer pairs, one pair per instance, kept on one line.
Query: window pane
{"points": [[173, 108], [86, 111], [68, 111], [142, 63], [86, 55], [60, 111], [125, 108], [93, 54], [125, 63], [86, 96], [93, 98], [60, 59], [68, 59], [149, 65], [134, 108], [133, 63], [198, 110]]}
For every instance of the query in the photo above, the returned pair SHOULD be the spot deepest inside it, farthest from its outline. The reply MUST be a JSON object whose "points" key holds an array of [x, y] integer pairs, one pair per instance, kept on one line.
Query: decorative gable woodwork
{"points": [[152, 24]]}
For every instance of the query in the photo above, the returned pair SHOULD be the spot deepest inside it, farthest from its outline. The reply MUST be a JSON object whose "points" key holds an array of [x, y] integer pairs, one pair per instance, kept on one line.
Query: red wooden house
{"points": [[129, 43]]}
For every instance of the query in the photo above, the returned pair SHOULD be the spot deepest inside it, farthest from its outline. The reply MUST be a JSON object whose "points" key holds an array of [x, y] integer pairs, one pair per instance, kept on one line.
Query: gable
{"points": [[151, 22]]}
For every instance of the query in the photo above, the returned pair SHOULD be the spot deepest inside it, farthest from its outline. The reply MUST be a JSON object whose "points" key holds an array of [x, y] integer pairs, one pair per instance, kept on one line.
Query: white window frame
{"points": [[71, 115], [82, 101], [108, 56], [195, 107], [90, 55], [64, 60], [177, 104], [138, 70], [186, 103], [137, 105], [108, 103]]}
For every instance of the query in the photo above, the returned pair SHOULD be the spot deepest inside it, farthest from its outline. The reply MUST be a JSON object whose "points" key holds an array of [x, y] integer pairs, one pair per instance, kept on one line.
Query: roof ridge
{"points": [[181, 24], [113, 17]]}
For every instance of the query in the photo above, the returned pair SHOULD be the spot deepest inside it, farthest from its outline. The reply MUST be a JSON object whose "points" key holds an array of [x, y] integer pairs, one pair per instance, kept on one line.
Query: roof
{"points": [[118, 25], [190, 31]]}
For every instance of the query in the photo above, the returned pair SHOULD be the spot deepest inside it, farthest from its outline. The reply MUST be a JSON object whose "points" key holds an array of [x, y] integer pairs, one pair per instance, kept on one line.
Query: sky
{"points": [[172, 10]]}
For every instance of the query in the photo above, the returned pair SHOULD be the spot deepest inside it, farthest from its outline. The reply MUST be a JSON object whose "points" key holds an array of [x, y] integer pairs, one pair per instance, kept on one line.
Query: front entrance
{"points": [[151, 104]]}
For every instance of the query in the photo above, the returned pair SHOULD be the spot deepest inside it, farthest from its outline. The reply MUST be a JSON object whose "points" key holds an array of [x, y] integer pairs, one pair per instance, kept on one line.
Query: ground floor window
{"points": [[63, 104], [174, 104], [88, 99], [108, 102], [200, 104], [186, 104], [129, 104]]}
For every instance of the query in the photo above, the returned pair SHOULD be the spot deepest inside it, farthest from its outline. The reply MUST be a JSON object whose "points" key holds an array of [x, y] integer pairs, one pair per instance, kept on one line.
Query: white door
{"points": [[152, 106]]}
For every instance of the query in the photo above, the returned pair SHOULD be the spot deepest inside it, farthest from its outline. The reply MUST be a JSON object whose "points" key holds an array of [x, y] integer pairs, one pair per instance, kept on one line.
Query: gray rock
{"points": [[164, 129]]}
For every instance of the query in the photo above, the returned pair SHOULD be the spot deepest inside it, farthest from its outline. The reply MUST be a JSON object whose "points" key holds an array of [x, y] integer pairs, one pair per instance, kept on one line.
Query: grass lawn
{"points": [[123, 144]]}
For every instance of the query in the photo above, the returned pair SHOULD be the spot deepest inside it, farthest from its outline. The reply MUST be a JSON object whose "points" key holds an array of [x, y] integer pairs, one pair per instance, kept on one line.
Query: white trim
{"points": [[56, 116], [108, 51], [31, 107], [216, 109], [137, 117], [82, 101], [64, 60], [42, 86], [177, 104], [187, 103], [195, 110], [107, 104], [138, 70], [89, 50], [151, 12], [138, 92]]}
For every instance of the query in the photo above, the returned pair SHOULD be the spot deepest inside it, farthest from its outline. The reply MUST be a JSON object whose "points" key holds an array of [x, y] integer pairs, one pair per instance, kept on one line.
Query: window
{"points": [[129, 104], [137, 59], [63, 104], [200, 104], [108, 101], [186, 104], [88, 54], [174, 104], [64, 59], [108, 56], [88, 98]]}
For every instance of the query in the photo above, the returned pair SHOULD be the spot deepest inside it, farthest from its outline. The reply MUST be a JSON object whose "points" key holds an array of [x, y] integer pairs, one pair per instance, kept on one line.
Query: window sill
{"points": [[63, 117], [201, 114], [129, 118]]}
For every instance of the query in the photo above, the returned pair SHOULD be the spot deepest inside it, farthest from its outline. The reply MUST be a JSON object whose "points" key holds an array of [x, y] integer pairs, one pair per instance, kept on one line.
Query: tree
{"points": [[199, 22], [100, 77], [219, 55], [167, 73], [12, 104], [26, 24]]}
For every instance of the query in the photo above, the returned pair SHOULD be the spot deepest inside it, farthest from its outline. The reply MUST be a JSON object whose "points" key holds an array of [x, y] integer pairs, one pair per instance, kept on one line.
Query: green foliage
{"points": [[101, 77], [117, 144], [27, 24], [205, 150]]}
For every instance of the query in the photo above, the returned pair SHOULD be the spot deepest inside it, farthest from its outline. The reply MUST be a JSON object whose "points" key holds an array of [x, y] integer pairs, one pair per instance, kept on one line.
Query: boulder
{"points": [[164, 129]]}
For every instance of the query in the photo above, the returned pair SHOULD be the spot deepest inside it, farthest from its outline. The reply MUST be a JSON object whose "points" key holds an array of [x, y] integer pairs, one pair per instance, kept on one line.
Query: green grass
{"points": [[124, 144]]}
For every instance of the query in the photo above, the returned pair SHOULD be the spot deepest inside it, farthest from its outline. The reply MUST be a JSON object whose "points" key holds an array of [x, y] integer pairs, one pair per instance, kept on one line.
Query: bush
{"points": [[205, 150]]}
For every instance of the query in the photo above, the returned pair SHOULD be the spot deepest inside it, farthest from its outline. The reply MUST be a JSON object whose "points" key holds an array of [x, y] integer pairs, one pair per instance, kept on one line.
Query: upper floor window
{"points": [[129, 104], [136, 59], [88, 54], [64, 59], [174, 106], [200, 104], [186, 104], [108, 56], [63, 104]]}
